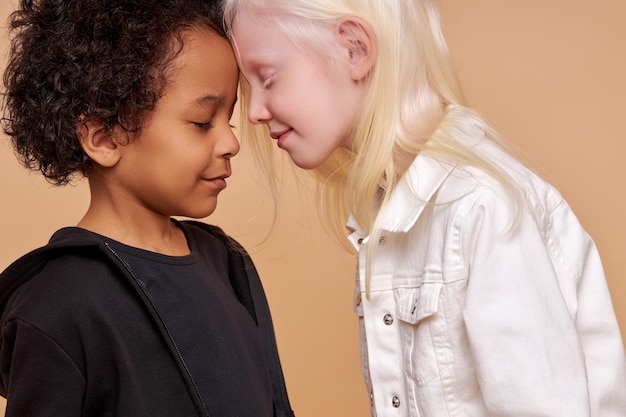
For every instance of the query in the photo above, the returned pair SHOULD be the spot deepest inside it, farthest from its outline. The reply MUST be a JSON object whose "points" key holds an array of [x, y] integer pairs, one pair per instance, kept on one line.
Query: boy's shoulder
{"points": [[69, 241], [70, 253]]}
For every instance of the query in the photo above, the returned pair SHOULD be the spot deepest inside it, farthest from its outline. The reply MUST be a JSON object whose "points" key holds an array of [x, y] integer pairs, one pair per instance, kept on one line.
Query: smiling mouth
{"points": [[277, 135], [280, 136]]}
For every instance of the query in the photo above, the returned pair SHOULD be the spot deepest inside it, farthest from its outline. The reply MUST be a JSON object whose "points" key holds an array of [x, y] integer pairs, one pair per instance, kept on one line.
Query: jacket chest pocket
{"points": [[421, 330], [416, 304]]}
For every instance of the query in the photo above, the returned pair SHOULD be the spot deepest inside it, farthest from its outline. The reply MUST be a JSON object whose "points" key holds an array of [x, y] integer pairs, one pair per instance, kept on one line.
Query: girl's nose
{"points": [[258, 112]]}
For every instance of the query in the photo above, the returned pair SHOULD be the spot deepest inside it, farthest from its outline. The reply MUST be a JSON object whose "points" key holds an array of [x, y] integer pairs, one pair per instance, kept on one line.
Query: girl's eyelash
{"points": [[267, 82]]}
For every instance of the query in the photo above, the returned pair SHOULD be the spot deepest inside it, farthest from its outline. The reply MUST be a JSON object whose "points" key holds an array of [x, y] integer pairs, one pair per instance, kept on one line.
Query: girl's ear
{"points": [[99, 143], [356, 36]]}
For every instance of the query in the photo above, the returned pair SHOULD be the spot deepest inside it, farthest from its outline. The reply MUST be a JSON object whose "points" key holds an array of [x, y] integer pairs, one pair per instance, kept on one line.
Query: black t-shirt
{"points": [[216, 335]]}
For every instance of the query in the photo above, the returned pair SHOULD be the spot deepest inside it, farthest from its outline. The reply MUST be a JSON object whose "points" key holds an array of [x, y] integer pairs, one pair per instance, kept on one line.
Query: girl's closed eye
{"points": [[266, 75], [267, 83]]}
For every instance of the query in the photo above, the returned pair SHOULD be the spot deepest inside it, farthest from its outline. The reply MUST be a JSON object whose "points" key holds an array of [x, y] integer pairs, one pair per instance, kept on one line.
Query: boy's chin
{"points": [[200, 214]]}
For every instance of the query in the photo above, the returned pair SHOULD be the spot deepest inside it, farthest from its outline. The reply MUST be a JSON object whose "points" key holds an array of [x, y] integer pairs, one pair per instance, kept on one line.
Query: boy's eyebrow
{"points": [[209, 98]]}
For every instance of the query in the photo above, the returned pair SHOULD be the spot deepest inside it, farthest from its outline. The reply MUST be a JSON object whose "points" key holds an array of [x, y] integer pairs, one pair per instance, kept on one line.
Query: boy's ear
{"points": [[99, 143], [357, 38]]}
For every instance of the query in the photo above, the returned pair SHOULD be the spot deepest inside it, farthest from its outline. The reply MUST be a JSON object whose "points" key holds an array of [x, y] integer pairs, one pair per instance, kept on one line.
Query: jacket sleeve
{"points": [[585, 291], [540, 325], [38, 378]]}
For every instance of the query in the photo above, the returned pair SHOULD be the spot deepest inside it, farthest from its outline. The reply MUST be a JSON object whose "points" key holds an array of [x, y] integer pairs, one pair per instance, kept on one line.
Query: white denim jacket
{"points": [[470, 315]]}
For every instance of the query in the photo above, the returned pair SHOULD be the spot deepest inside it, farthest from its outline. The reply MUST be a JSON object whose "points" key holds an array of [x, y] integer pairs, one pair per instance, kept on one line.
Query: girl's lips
{"points": [[280, 136], [276, 135]]}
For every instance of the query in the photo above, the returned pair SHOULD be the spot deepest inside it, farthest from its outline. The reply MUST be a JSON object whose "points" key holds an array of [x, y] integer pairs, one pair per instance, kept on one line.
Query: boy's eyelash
{"points": [[209, 125], [206, 125]]}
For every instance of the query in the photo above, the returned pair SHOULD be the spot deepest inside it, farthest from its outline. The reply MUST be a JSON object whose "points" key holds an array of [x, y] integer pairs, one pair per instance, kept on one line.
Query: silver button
{"points": [[395, 401], [382, 240], [388, 319]]}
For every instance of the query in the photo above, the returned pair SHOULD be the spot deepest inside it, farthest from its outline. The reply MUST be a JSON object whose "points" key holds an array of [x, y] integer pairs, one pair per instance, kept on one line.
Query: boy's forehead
{"points": [[204, 69]]}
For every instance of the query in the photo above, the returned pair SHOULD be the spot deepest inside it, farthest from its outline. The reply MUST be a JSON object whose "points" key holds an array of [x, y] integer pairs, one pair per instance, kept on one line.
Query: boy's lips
{"points": [[219, 181]]}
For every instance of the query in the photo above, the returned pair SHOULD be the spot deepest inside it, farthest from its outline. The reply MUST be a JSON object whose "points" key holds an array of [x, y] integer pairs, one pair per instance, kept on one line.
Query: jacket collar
{"points": [[407, 201], [414, 190]]}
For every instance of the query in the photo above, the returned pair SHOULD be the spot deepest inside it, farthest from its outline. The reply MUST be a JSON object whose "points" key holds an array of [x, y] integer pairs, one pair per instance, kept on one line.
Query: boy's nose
{"points": [[229, 144]]}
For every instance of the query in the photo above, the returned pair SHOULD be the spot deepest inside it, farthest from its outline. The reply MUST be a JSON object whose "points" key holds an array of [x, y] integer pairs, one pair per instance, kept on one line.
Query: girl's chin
{"points": [[305, 162]]}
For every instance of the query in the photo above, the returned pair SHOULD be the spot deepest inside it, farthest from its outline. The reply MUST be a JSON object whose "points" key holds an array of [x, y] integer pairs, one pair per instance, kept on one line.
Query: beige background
{"points": [[550, 75]]}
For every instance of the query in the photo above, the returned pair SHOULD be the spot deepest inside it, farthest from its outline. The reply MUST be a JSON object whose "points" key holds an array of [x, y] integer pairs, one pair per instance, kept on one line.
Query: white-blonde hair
{"points": [[413, 104]]}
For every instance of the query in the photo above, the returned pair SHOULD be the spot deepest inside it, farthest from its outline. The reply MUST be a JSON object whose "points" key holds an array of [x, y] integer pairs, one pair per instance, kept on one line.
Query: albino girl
{"points": [[479, 292]]}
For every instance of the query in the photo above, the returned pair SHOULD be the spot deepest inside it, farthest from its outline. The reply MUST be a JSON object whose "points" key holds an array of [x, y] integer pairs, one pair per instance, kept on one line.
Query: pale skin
{"points": [[308, 106], [177, 164]]}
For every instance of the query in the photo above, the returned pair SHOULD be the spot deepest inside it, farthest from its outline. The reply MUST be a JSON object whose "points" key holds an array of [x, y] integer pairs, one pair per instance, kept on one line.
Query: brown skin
{"points": [[178, 163]]}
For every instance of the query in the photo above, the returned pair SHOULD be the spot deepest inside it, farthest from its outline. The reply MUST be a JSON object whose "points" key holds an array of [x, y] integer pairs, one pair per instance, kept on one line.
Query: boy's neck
{"points": [[156, 234], [115, 214]]}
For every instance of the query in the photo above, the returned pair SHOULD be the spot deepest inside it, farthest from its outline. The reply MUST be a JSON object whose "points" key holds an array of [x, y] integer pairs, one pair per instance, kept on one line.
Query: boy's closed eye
{"points": [[204, 125], [209, 124]]}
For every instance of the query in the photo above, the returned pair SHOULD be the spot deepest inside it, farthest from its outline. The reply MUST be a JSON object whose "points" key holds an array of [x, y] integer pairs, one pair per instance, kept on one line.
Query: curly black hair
{"points": [[77, 59]]}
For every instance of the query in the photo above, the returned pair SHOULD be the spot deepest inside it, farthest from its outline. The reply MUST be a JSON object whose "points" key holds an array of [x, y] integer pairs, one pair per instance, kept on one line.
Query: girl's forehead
{"points": [[253, 56], [257, 36]]}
